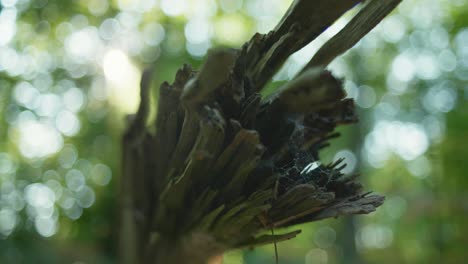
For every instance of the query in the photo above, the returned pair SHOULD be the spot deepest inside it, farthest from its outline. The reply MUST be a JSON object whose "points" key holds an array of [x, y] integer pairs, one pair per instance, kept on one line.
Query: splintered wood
{"points": [[221, 165]]}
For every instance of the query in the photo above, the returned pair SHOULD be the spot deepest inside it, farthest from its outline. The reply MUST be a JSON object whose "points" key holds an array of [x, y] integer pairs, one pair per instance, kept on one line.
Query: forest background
{"points": [[69, 74]]}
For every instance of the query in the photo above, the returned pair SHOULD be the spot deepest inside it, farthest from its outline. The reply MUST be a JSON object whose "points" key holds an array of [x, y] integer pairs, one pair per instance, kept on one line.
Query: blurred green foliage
{"points": [[69, 74]]}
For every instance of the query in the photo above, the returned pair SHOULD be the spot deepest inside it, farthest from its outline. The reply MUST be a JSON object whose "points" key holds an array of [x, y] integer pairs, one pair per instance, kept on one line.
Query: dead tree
{"points": [[221, 166]]}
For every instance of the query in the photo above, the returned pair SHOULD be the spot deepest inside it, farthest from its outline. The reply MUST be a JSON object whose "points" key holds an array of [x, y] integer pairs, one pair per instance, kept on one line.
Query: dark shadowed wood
{"points": [[221, 166]]}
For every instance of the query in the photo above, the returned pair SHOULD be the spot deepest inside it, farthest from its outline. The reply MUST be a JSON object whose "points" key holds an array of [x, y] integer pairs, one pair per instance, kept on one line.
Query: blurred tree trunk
{"points": [[222, 166], [356, 138], [347, 238]]}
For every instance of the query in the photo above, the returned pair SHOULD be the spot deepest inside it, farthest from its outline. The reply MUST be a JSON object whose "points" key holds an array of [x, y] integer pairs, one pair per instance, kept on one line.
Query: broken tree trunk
{"points": [[222, 166]]}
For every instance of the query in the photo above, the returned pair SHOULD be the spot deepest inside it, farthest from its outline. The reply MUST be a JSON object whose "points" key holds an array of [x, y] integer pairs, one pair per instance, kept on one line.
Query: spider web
{"points": [[303, 165]]}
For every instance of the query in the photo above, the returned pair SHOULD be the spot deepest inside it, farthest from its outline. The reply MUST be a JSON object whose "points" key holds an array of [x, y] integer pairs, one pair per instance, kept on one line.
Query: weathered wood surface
{"points": [[221, 166]]}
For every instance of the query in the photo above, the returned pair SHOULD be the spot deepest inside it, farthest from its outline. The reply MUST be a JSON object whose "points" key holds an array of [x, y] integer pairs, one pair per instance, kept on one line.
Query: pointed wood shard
{"points": [[214, 72], [361, 24], [313, 90], [304, 21]]}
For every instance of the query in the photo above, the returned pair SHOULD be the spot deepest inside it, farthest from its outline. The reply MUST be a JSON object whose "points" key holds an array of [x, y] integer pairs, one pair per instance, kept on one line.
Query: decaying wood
{"points": [[221, 166], [302, 23], [358, 27]]}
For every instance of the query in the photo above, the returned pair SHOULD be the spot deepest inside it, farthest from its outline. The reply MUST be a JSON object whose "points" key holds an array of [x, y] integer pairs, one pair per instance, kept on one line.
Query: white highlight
{"points": [[408, 140], [37, 140], [123, 80], [310, 167]]}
